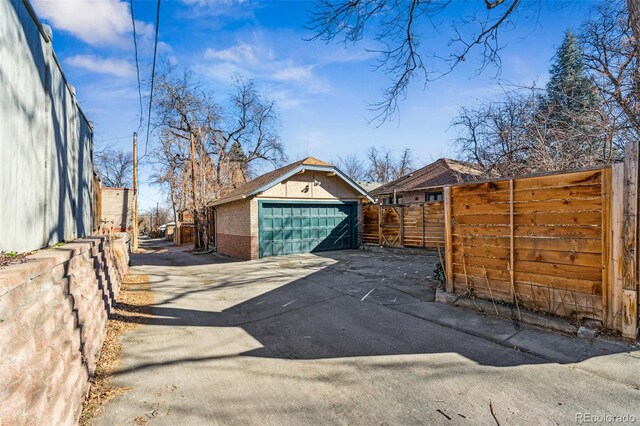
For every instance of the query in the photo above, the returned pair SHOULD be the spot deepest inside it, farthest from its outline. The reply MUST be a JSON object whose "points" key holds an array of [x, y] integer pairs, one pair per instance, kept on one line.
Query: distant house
{"points": [[305, 206], [185, 216], [117, 210], [425, 184], [369, 186]]}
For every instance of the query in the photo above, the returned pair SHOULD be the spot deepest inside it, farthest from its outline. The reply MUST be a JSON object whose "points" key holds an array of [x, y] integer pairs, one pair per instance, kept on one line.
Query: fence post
{"points": [[614, 308], [512, 255], [605, 200], [630, 242], [380, 225], [402, 226], [448, 239], [424, 224]]}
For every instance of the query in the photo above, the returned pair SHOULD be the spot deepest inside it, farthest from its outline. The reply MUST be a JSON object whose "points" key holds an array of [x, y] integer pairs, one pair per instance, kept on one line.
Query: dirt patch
{"points": [[130, 312], [9, 257]]}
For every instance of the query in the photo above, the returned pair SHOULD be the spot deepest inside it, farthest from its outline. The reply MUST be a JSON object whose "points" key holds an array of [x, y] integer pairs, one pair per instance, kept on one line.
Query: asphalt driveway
{"points": [[348, 337]]}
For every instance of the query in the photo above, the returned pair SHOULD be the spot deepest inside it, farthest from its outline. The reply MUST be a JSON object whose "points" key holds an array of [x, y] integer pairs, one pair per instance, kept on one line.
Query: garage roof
{"points": [[267, 180]]}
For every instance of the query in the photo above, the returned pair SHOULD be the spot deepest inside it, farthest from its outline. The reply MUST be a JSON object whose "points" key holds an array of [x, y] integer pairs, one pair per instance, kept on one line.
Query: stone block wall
{"points": [[53, 317]]}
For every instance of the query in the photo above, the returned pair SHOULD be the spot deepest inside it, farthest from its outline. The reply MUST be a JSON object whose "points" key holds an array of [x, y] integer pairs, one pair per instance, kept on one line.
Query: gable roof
{"points": [[267, 180], [439, 173]]}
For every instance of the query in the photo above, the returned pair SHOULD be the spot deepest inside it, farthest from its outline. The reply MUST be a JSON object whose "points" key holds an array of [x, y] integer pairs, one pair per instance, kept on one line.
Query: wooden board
{"points": [[543, 233], [630, 242], [418, 225]]}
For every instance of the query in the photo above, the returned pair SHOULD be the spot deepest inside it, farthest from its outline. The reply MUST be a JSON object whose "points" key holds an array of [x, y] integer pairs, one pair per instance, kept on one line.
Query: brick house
{"points": [[425, 184], [305, 206]]}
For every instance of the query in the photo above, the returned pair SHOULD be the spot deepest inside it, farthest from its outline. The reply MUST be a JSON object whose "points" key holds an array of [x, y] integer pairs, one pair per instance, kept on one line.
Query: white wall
{"points": [[46, 143]]}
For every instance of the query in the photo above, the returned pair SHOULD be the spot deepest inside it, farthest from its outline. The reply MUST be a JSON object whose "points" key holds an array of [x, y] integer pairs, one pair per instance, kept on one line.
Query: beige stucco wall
{"points": [[301, 186]]}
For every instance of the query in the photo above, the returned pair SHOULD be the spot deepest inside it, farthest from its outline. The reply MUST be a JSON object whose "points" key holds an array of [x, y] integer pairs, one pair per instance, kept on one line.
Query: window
{"points": [[431, 196], [389, 200]]}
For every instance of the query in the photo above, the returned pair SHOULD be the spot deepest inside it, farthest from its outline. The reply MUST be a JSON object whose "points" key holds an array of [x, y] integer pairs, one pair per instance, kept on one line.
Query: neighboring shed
{"points": [[305, 206], [117, 210], [425, 184]]}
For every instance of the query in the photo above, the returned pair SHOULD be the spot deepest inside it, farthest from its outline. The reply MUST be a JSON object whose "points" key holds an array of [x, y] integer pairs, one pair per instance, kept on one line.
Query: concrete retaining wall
{"points": [[53, 318]]}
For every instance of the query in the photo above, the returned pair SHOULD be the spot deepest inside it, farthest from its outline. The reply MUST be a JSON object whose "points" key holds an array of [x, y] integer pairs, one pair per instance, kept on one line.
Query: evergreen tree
{"points": [[238, 165], [570, 90], [569, 109]]}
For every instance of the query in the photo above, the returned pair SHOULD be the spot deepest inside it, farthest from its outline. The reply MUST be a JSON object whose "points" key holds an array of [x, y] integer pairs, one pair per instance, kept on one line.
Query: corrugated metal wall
{"points": [[46, 143]]}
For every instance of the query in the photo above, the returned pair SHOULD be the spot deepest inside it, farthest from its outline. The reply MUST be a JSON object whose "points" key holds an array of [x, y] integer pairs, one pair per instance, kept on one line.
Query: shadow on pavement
{"points": [[343, 309]]}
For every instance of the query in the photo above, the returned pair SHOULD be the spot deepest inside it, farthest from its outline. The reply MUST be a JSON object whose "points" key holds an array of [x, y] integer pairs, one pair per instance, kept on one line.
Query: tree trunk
{"points": [[194, 195]]}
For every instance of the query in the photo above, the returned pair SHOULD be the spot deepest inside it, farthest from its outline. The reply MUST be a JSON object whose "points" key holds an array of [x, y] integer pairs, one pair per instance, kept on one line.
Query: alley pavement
{"points": [[349, 337]]}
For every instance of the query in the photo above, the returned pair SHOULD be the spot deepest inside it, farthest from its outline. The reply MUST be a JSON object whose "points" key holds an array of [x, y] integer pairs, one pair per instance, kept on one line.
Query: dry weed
{"points": [[130, 312]]}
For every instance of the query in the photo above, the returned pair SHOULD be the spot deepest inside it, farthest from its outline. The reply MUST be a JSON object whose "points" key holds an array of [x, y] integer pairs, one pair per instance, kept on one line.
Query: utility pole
{"points": [[193, 190], [134, 239], [157, 217]]}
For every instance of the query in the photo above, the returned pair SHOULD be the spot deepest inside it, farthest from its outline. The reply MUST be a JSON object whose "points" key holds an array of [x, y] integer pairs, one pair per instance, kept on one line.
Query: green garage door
{"points": [[287, 228]]}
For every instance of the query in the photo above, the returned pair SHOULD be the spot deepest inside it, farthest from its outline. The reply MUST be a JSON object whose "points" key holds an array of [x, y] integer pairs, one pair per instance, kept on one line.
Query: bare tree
{"points": [[404, 165], [400, 26], [516, 135], [182, 110], [152, 218], [612, 54], [352, 166], [115, 167], [384, 167], [210, 147], [381, 167], [246, 134], [172, 170]]}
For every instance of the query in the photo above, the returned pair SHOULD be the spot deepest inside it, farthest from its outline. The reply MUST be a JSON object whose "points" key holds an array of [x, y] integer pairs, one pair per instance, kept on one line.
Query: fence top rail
{"points": [[533, 175], [419, 188], [417, 203]]}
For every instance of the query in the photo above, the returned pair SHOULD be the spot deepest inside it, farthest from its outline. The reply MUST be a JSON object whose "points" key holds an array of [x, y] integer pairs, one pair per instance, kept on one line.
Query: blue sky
{"points": [[321, 90]]}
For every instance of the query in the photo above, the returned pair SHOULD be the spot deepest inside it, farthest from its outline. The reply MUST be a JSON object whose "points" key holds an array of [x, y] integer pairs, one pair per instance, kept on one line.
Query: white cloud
{"points": [[290, 81], [116, 67], [293, 73], [97, 22], [241, 54], [224, 72], [231, 10]]}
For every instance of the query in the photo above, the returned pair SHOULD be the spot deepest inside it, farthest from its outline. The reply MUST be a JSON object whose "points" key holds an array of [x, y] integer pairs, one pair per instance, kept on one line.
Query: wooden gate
{"points": [[391, 218], [416, 225]]}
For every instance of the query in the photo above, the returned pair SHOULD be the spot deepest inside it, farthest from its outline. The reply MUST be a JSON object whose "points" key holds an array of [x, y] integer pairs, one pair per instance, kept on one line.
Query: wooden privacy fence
{"points": [[549, 243], [185, 233], [418, 225]]}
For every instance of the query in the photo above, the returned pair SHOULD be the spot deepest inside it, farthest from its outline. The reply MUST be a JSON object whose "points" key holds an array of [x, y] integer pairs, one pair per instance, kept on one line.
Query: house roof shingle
{"points": [[439, 173]]}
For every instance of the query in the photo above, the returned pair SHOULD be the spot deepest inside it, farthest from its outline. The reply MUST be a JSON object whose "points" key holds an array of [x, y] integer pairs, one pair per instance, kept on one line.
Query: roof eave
{"points": [[293, 172], [301, 167]]}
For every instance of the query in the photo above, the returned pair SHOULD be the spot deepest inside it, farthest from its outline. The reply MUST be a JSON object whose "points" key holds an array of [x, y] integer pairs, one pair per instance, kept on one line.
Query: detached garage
{"points": [[303, 207]]}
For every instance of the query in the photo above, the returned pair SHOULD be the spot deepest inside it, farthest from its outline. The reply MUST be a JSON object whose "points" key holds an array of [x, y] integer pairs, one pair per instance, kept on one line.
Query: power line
{"points": [[153, 75], [113, 139], [135, 45]]}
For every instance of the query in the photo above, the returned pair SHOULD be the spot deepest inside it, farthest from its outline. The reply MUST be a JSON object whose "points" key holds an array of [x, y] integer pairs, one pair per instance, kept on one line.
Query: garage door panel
{"points": [[301, 228]]}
